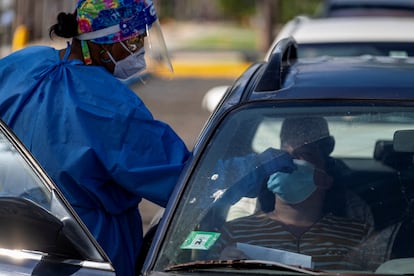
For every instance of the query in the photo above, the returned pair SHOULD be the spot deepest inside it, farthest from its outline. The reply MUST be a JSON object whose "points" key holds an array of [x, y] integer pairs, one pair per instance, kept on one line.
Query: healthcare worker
{"points": [[90, 132]]}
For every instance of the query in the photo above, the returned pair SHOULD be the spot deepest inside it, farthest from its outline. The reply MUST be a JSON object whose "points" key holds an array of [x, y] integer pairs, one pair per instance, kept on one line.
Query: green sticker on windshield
{"points": [[200, 240]]}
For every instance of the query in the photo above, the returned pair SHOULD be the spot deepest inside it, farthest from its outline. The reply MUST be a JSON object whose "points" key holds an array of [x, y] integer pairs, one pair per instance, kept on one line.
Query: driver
{"points": [[301, 221]]}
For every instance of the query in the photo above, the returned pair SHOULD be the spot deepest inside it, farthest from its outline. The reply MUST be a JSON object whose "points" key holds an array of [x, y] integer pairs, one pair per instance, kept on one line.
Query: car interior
{"points": [[384, 181]]}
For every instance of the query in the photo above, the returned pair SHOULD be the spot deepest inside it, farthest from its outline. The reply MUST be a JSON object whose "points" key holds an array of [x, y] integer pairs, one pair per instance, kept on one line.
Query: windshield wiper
{"points": [[241, 264]]}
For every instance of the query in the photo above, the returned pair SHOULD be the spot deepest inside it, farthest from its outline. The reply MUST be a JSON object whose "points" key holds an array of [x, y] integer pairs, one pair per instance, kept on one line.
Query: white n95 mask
{"points": [[131, 65]]}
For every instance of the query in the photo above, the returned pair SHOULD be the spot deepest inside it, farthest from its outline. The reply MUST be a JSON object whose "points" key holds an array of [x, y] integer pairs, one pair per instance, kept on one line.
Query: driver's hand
{"points": [[274, 160]]}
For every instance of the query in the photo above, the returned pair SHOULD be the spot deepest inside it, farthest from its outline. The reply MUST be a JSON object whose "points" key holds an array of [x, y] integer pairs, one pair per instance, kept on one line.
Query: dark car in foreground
{"points": [[40, 234], [227, 215]]}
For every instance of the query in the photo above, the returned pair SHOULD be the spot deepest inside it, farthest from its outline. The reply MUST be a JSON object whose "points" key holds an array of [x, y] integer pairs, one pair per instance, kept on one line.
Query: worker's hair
{"points": [[66, 26]]}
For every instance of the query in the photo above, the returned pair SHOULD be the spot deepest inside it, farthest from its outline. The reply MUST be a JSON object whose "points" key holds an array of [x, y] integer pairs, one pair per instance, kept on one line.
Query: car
{"points": [[340, 8], [344, 36], [218, 219], [351, 36], [212, 97], [40, 234]]}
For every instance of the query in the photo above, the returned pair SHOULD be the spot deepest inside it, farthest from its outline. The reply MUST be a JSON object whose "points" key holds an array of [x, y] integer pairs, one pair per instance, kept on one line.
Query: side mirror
{"points": [[404, 141]]}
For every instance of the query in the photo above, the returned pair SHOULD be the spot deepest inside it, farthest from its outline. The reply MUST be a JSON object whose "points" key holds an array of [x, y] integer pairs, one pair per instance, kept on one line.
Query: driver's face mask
{"points": [[132, 64], [295, 187]]}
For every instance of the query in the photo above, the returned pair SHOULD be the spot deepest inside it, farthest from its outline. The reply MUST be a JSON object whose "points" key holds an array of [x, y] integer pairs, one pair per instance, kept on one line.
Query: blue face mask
{"points": [[294, 187]]}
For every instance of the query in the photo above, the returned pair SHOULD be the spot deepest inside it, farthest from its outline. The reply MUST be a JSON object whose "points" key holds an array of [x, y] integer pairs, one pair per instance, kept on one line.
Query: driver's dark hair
{"points": [[300, 131]]}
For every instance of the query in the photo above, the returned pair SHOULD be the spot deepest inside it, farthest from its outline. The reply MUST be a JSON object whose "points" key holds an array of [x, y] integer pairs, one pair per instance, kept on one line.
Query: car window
{"points": [[366, 130], [17, 178], [388, 49], [234, 190], [35, 211]]}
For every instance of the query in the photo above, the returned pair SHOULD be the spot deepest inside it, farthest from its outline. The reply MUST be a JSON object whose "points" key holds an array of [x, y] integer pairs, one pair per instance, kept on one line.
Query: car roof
{"points": [[349, 29], [364, 77], [284, 77]]}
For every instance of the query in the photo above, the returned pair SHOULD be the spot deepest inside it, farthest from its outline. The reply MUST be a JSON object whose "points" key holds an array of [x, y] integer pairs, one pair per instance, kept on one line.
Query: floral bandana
{"points": [[111, 21]]}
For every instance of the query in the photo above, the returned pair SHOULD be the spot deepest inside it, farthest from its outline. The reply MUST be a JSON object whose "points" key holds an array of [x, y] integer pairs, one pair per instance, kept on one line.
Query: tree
{"points": [[268, 14], [274, 13], [237, 9]]}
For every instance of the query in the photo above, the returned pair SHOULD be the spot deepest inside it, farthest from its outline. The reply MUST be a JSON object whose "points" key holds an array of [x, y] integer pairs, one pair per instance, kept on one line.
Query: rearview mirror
{"points": [[404, 141]]}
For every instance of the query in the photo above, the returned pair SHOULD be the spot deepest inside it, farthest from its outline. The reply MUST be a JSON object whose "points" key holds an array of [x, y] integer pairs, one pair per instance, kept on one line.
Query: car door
{"points": [[40, 234]]}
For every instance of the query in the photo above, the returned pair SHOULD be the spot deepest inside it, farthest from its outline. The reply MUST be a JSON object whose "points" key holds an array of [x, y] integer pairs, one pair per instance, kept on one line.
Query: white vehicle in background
{"points": [[351, 36], [212, 98], [340, 8], [340, 36]]}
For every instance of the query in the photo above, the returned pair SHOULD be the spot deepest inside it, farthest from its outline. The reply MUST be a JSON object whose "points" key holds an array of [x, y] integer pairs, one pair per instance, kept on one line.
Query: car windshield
{"points": [[388, 49], [325, 187]]}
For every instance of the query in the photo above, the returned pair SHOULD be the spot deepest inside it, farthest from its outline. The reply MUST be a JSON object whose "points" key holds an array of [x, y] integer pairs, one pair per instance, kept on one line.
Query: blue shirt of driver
{"points": [[97, 141]]}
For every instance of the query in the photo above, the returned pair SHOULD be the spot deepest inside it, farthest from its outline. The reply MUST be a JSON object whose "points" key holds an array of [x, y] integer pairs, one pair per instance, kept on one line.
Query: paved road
{"points": [[178, 103]]}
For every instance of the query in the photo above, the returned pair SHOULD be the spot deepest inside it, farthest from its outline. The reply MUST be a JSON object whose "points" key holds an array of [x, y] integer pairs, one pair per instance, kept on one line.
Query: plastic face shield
{"points": [[157, 56]]}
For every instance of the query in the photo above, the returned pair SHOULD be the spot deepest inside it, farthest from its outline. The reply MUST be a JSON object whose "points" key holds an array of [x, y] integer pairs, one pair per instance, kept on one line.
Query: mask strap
{"points": [[125, 47], [86, 54], [111, 57]]}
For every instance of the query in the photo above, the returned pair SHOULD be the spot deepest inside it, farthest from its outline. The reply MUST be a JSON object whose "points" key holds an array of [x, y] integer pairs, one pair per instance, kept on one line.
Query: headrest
{"points": [[385, 153]]}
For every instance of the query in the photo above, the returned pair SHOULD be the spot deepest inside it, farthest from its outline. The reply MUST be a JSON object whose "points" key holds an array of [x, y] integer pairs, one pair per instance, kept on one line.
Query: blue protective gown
{"points": [[97, 141]]}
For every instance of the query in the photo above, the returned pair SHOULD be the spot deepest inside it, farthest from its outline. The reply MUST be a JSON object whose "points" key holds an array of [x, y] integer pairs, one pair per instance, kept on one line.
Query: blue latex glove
{"points": [[244, 176], [238, 177], [273, 160], [294, 187]]}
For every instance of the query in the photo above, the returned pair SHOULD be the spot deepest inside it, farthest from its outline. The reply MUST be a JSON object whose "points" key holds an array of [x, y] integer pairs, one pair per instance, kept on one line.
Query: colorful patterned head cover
{"points": [[110, 21]]}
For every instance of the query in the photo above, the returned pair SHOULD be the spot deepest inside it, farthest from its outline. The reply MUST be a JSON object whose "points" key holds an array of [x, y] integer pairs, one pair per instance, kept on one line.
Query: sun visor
{"points": [[404, 141]]}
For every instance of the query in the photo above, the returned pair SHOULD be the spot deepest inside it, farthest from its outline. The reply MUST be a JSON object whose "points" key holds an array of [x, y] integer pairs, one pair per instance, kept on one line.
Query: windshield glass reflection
{"points": [[17, 179]]}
